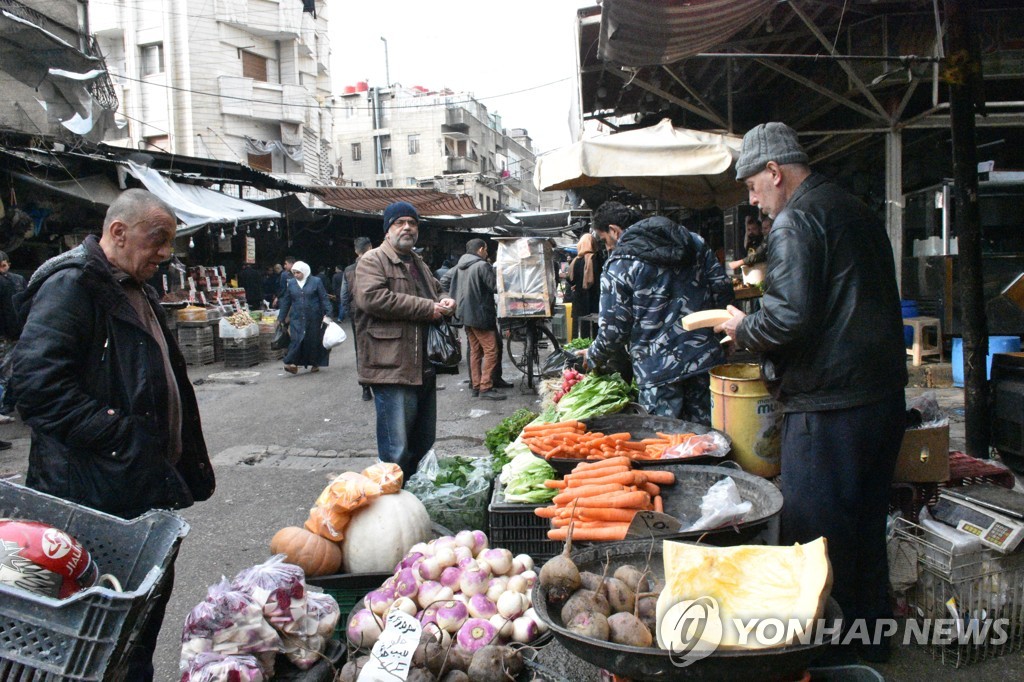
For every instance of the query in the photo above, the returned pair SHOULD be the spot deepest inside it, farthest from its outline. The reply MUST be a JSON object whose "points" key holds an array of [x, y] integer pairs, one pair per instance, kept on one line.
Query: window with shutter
{"points": [[254, 66]]}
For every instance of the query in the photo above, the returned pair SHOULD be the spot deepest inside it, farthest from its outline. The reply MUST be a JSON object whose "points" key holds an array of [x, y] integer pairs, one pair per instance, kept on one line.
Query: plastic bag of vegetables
{"points": [[279, 589], [210, 667], [455, 490], [227, 623]]}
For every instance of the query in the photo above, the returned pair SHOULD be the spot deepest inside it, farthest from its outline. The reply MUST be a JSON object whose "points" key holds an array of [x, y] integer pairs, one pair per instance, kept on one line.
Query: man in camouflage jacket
{"points": [[658, 273]]}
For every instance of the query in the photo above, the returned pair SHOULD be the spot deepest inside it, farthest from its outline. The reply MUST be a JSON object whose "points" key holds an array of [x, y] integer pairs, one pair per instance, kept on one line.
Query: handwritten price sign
{"points": [[391, 657]]}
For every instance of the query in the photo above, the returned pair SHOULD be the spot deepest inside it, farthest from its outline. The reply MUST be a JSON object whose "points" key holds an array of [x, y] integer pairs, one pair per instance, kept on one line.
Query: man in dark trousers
{"points": [[345, 305], [830, 331], [101, 382], [286, 274]]}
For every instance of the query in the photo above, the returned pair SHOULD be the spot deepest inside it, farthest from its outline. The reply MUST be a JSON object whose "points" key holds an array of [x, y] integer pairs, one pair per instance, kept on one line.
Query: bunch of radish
{"points": [[460, 588], [570, 378]]}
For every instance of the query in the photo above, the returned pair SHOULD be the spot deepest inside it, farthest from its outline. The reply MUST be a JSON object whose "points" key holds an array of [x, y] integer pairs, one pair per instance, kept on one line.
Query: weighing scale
{"points": [[993, 513]]}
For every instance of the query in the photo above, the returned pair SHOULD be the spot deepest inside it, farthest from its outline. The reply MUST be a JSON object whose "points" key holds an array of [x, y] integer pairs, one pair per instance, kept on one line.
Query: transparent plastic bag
{"points": [[279, 589], [712, 444], [721, 506], [387, 475], [342, 496], [228, 622], [923, 411], [454, 503], [210, 667]]}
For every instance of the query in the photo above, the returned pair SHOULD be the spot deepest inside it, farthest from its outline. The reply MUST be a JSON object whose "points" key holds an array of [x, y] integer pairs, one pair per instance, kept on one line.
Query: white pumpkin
{"points": [[382, 532]]}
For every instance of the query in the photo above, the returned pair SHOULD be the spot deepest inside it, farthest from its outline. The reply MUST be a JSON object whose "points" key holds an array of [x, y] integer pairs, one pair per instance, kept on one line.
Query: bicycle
{"points": [[526, 339]]}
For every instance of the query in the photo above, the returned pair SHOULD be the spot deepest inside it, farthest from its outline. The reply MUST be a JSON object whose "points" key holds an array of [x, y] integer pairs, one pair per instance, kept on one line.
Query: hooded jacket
{"points": [[658, 273], [830, 325], [472, 284], [88, 378]]}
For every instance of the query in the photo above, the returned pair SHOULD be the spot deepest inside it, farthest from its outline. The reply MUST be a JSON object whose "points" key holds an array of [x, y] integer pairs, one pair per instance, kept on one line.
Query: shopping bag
{"points": [[334, 335], [443, 347], [281, 338]]}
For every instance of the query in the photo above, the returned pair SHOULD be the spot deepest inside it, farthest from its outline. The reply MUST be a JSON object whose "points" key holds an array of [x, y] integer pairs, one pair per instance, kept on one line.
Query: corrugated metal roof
{"points": [[374, 200]]}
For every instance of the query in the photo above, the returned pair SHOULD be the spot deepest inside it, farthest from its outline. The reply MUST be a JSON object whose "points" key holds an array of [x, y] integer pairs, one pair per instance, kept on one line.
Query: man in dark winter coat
{"points": [[472, 285], [831, 334], [658, 273], [102, 384], [251, 280], [346, 304]]}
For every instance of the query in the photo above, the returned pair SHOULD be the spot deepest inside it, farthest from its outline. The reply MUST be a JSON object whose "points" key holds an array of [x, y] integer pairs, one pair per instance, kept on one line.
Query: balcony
{"points": [[266, 101], [456, 120], [277, 20], [461, 164]]}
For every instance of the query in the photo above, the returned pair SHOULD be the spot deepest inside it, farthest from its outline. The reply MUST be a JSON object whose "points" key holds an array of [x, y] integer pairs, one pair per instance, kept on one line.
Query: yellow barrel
{"points": [[742, 407]]}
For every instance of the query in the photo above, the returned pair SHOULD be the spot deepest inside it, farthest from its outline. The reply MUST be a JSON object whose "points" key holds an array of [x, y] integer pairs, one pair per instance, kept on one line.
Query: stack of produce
{"points": [[570, 378], [240, 320], [591, 396], [601, 498], [571, 440], [361, 522], [524, 479], [461, 590], [265, 610], [498, 439], [454, 490]]}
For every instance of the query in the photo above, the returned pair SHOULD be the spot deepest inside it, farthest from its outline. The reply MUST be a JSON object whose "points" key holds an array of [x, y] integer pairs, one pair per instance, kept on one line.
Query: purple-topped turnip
{"points": [[364, 628], [499, 560], [481, 607], [451, 615], [475, 634], [380, 600], [450, 577]]}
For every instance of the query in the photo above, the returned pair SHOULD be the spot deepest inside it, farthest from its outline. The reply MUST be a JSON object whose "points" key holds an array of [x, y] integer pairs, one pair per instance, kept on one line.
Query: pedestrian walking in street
{"points": [[305, 308], [283, 276], [251, 280], [10, 329], [658, 273], [398, 298], [347, 304], [101, 382], [472, 284], [831, 333]]}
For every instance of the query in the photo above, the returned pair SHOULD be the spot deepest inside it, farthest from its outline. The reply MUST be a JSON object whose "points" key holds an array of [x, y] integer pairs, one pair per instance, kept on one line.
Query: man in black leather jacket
{"points": [[101, 382], [831, 333]]}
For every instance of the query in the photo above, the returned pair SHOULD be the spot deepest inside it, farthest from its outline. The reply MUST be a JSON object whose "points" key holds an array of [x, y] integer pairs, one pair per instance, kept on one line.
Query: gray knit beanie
{"points": [[768, 142]]}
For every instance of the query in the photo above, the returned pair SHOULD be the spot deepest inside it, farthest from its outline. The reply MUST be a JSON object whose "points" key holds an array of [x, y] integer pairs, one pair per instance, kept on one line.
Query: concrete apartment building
{"points": [[244, 81], [412, 137]]}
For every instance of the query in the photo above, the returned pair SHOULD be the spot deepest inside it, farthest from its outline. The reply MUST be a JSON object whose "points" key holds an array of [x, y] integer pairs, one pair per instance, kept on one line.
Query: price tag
{"points": [[191, 284], [181, 279], [649, 523], [164, 277], [391, 658], [202, 297]]}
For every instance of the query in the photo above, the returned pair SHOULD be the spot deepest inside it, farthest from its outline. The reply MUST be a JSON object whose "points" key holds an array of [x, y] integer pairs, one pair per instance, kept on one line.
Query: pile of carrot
{"points": [[571, 440], [603, 497]]}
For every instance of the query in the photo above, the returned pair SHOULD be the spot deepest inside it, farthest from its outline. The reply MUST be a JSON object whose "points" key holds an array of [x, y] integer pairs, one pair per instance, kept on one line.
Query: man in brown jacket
{"points": [[398, 298]]}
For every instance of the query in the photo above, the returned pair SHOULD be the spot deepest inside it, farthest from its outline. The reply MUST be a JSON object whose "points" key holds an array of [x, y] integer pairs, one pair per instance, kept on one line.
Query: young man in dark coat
{"points": [[346, 305], [102, 384], [472, 285]]}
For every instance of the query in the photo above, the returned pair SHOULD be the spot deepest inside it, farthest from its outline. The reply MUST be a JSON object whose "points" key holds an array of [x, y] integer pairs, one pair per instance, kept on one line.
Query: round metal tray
{"points": [[652, 663], [641, 426]]}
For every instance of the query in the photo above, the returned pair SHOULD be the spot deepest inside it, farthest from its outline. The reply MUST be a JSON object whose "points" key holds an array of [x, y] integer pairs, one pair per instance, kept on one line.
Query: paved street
{"points": [[276, 442]]}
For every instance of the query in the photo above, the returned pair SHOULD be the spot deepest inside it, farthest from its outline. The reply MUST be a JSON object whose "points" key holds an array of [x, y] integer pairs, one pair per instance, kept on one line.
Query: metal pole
{"points": [[387, 67]]}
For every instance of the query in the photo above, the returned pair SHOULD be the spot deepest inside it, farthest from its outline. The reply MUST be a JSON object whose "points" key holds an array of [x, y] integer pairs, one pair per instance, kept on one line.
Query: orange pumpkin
{"points": [[310, 552]]}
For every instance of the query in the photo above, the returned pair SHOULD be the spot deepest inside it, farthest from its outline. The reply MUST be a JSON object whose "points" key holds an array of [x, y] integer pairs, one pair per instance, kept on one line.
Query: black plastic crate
{"points": [[242, 357], [195, 336], [85, 637], [198, 355], [516, 528], [347, 589]]}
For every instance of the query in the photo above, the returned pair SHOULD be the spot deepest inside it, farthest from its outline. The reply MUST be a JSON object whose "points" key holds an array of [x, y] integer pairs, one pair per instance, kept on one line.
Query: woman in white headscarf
{"points": [[305, 307]]}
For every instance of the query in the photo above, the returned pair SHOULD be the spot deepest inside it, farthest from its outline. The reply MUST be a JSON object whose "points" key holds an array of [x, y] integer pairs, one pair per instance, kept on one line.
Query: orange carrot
{"points": [[621, 500], [546, 512], [585, 491], [651, 489], [660, 477], [602, 533], [590, 466], [623, 478], [614, 515], [557, 485], [578, 475], [659, 506]]}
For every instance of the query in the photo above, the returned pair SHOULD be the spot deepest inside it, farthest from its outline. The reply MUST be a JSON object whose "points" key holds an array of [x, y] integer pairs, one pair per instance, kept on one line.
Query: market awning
{"points": [[689, 167], [374, 200], [197, 206]]}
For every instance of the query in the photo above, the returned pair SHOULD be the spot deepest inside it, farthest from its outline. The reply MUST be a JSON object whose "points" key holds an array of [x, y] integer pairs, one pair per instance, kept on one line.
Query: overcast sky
{"points": [[515, 57]]}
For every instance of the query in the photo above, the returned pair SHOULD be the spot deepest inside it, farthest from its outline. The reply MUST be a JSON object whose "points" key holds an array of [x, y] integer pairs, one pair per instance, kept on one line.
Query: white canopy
{"points": [[197, 206], [689, 167]]}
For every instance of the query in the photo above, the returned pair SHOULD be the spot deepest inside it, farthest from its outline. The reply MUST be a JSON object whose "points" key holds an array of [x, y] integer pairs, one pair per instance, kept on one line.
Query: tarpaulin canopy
{"points": [[689, 167], [428, 202], [197, 206]]}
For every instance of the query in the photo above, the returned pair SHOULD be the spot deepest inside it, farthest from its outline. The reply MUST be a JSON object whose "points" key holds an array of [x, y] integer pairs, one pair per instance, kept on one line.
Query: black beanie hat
{"points": [[399, 209]]}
